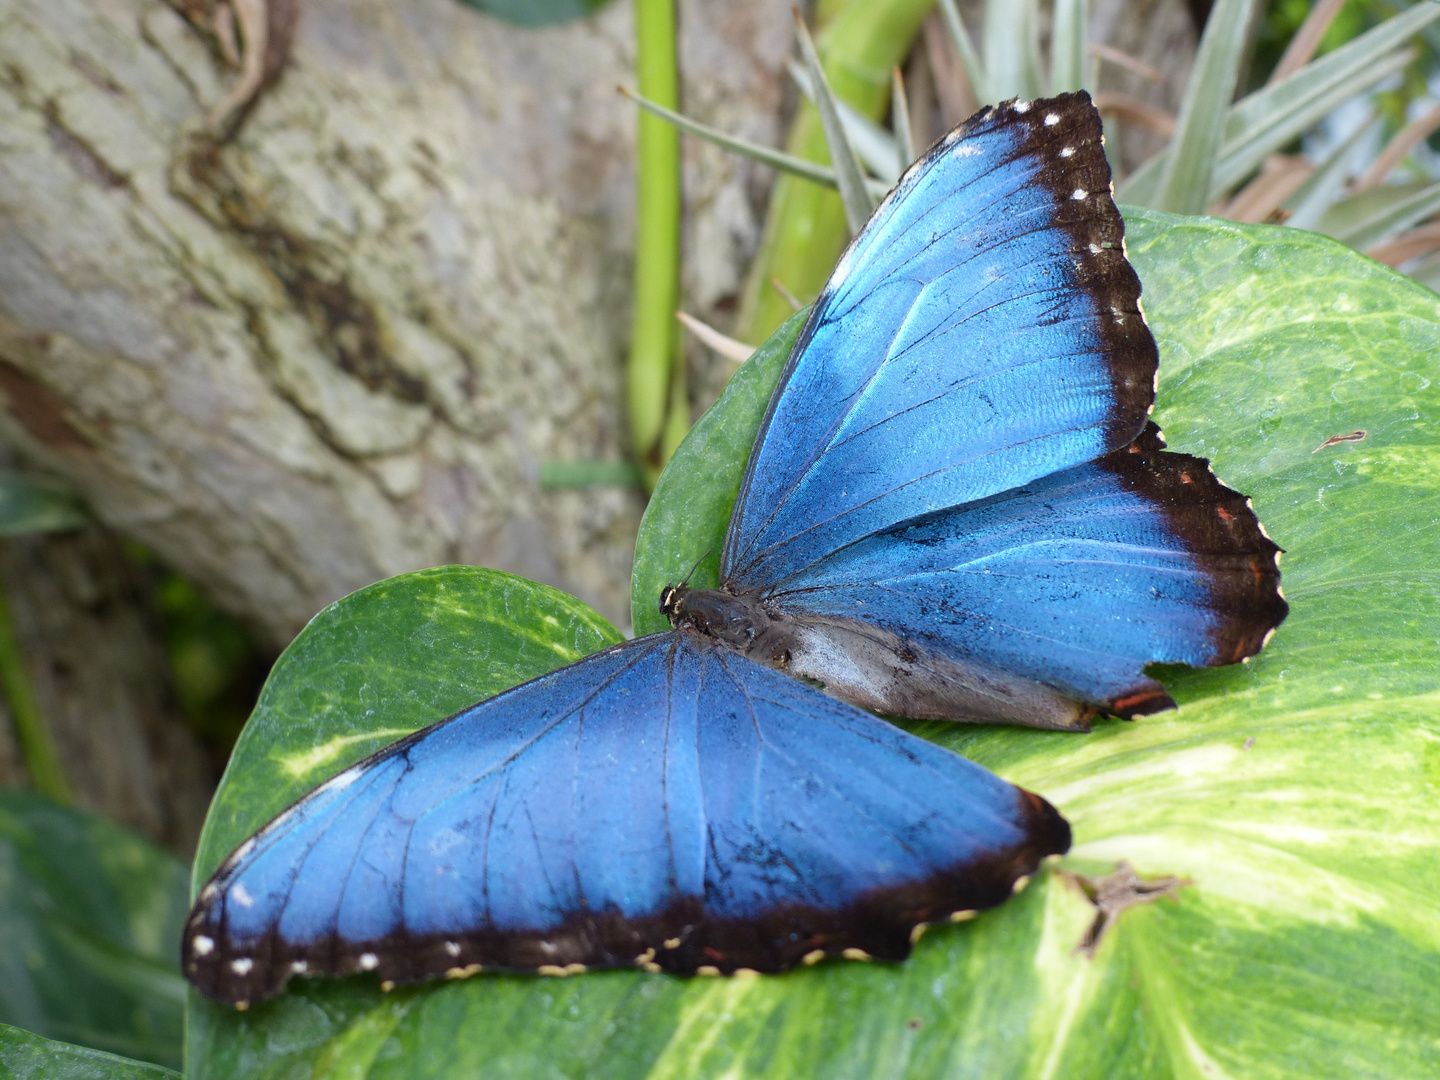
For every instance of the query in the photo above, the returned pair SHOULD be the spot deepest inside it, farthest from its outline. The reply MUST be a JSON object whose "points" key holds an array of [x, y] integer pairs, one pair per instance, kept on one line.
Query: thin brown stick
{"points": [[1398, 149], [1132, 64], [952, 81], [1307, 39], [1408, 245], [1135, 111], [726, 346], [1279, 177], [785, 294]]}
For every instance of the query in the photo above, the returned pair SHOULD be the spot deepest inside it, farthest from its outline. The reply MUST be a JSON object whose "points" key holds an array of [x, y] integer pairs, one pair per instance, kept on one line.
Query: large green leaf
{"points": [[1298, 794], [26, 1056], [90, 919]]}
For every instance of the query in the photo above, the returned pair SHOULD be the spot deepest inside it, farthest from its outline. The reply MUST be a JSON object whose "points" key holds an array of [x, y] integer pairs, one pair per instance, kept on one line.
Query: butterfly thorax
{"points": [[736, 621]]}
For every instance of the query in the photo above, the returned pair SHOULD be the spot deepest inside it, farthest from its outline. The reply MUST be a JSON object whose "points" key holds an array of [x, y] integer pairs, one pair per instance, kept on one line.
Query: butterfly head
{"points": [[672, 599], [672, 602]]}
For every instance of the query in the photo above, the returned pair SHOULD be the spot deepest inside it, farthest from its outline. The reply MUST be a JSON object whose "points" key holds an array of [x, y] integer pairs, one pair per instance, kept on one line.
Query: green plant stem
{"points": [[805, 227], [653, 372], [31, 732]]}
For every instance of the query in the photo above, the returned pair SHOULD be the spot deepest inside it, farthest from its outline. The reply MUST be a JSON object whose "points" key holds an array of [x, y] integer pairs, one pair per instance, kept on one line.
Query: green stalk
{"points": [[31, 732], [653, 373], [805, 227]]}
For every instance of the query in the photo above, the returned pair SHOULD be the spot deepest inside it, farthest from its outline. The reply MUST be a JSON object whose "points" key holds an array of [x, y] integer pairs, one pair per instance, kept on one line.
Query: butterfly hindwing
{"points": [[663, 804], [982, 331], [1043, 605]]}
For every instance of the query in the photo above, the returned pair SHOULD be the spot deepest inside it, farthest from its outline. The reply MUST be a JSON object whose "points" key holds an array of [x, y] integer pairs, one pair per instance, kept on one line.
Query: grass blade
{"points": [[848, 177], [1185, 180], [1278, 179], [872, 143], [900, 122], [969, 57], [788, 163], [1239, 156], [1068, 50], [1134, 111], [1264, 121], [1390, 219], [1272, 103], [1310, 201], [805, 226], [1010, 52]]}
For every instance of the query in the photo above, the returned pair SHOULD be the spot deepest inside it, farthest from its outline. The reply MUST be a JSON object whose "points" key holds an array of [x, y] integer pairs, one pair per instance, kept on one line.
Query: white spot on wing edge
{"points": [[1021, 106], [453, 948], [242, 966], [300, 967], [1052, 119], [1078, 194], [369, 961], [1068, 151], [202, 945]]}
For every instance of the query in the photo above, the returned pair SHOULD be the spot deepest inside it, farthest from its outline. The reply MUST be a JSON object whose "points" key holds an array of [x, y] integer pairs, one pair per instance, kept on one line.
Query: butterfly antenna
{"points": [[698, 561]]}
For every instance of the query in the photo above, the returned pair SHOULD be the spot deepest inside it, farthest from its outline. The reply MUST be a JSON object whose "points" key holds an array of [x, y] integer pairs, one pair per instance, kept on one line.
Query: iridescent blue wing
{"points": [[982, 331], [1042, 605], [662, 804]]}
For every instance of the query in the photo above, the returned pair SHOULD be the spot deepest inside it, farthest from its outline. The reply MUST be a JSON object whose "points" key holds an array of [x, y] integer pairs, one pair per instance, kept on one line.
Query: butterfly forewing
{"points": [[983, 330]]}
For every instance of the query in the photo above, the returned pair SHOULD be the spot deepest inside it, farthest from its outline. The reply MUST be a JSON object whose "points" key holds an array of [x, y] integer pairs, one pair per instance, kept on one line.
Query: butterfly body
{"points": [[869, 665]]}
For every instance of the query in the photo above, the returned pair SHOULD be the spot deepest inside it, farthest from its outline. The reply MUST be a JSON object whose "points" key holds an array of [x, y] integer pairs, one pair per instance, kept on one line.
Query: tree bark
{"points": [[339, 346]]}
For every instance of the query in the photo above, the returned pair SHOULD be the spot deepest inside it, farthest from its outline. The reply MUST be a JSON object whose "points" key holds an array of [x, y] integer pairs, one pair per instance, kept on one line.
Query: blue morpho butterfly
{"points": [[955, 508]]}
